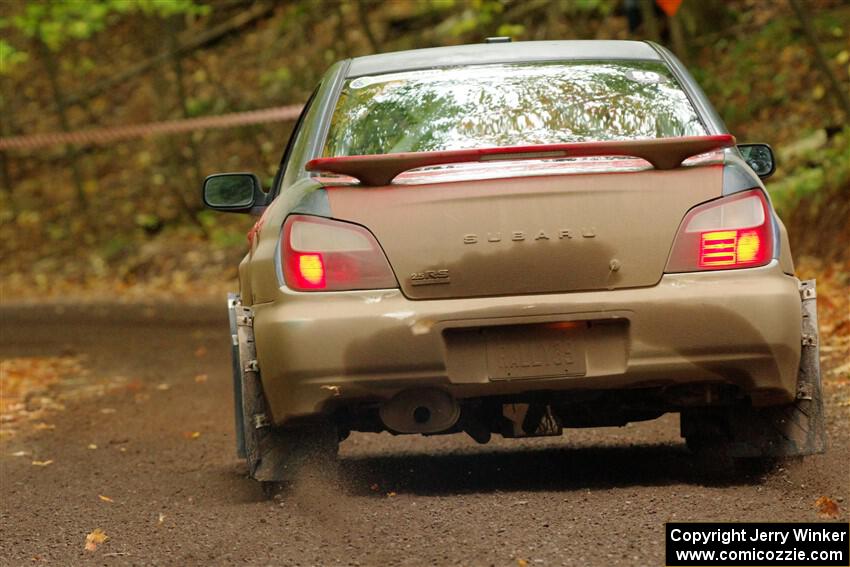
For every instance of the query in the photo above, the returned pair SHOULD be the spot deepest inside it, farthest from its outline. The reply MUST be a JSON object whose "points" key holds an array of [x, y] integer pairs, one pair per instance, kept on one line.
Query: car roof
{"points": [[489, 53]]}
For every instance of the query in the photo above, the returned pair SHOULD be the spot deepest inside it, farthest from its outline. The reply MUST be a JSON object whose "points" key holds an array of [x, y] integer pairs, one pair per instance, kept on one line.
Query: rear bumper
{"points": [[740, 327]]}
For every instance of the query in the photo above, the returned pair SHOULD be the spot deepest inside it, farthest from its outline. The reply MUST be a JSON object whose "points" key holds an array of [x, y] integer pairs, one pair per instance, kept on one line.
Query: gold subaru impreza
{"points": [[514, 238]]}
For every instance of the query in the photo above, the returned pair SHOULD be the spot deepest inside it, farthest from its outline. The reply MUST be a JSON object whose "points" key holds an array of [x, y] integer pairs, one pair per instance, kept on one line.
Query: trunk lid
{"points": [[544, 233]]}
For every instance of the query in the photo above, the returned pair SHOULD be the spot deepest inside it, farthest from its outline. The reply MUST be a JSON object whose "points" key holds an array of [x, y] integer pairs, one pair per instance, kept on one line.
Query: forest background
{"points": [[123, 220]]}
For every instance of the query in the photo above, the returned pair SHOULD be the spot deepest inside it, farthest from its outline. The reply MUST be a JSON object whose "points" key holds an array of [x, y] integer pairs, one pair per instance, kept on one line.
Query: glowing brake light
{"points": [[718, 248], [311, 268], [320, 254], [728, 248], [733, 232]]}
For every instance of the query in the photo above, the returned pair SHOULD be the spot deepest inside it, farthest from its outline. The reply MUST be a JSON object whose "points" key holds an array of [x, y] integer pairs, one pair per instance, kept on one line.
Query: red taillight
{"points": [[319, 254], [733, 232]]}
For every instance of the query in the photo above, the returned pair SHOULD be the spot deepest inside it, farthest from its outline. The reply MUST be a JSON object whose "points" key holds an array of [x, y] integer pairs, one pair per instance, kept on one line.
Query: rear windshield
{"points": [[454, 108]]}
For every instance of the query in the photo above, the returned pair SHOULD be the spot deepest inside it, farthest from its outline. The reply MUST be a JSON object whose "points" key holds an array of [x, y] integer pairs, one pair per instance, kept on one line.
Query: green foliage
{"points": [[739, 91], [199, 106], [147, 221], [221, 235], [277, 82], [56, 22], [279, 75], [593, 7], [515, 31], [10, 57], [115, 247], [818, 174], [227, 237], [756, 79], [479, 16]]}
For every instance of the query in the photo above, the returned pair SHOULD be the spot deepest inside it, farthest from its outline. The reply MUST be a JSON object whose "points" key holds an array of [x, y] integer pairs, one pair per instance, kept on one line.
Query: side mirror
{"points": [[232, 192], [760, 158]]}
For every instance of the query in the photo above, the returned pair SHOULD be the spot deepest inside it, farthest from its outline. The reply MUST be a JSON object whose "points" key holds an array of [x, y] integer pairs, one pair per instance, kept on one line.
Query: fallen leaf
{"points": [[43, 463], [161, 518], [391, 494], [201, 378], [92, 446], [20, 453], [107, 410], [26, 381], [163, 387], [191, 434], [105, 498], [41, 426], [95, 538], [200, 351], [827, 507], [522, 562]]}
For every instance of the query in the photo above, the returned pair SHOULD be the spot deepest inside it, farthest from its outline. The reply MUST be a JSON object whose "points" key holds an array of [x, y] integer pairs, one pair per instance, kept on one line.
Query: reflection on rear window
{"points": [[507, 105]]}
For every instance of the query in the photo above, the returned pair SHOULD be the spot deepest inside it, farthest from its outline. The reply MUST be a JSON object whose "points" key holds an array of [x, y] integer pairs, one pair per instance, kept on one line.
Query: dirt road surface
{"points": [[165, 458]]}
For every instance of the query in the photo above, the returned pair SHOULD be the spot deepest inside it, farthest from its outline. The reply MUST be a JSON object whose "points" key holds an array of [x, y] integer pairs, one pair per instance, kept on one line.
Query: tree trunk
{"points": [[182, 100], [170, 149], [6, 177], [677, 37], [837, 91], [341, 32], [234, 104], [650, 22], [52, 68], [363, 15], [7, 128]]}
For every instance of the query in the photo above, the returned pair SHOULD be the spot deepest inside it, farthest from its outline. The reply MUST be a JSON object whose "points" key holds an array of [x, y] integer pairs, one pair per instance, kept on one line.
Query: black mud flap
{"points": [[794, 430]]}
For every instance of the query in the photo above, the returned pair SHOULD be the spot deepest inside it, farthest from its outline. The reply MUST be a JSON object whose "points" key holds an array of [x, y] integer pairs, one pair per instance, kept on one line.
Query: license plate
{"points": [[535, 351]]}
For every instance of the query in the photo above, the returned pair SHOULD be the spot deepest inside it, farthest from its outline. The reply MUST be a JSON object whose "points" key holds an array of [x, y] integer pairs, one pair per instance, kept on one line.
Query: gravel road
{"points": [[165, 458]]}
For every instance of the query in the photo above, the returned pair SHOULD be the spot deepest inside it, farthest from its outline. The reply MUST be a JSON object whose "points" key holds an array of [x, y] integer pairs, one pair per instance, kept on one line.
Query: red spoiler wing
{"points": [[381, 169]]}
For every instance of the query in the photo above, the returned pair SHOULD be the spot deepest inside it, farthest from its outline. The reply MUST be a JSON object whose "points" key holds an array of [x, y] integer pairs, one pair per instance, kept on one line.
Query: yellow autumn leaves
{"points": [[95, 538]]}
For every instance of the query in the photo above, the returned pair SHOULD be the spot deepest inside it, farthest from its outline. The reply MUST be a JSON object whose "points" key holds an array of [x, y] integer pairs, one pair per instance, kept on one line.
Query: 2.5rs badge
{"points": [[430, 277]]}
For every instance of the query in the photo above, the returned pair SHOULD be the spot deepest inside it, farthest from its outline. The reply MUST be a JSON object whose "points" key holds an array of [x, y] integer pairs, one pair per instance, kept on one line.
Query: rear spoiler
{"points": [[662, 153]]}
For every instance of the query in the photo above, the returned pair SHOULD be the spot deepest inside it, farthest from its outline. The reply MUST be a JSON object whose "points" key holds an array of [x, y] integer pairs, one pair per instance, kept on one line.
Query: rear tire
{"points": [[752, 441], [715, 457], [305, 454], [756, 466], [763, 436], [292, 455]]}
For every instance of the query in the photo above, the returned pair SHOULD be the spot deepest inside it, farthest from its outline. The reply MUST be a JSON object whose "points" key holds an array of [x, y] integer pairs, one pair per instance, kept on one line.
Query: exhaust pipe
{"points": [[420, 411]]}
